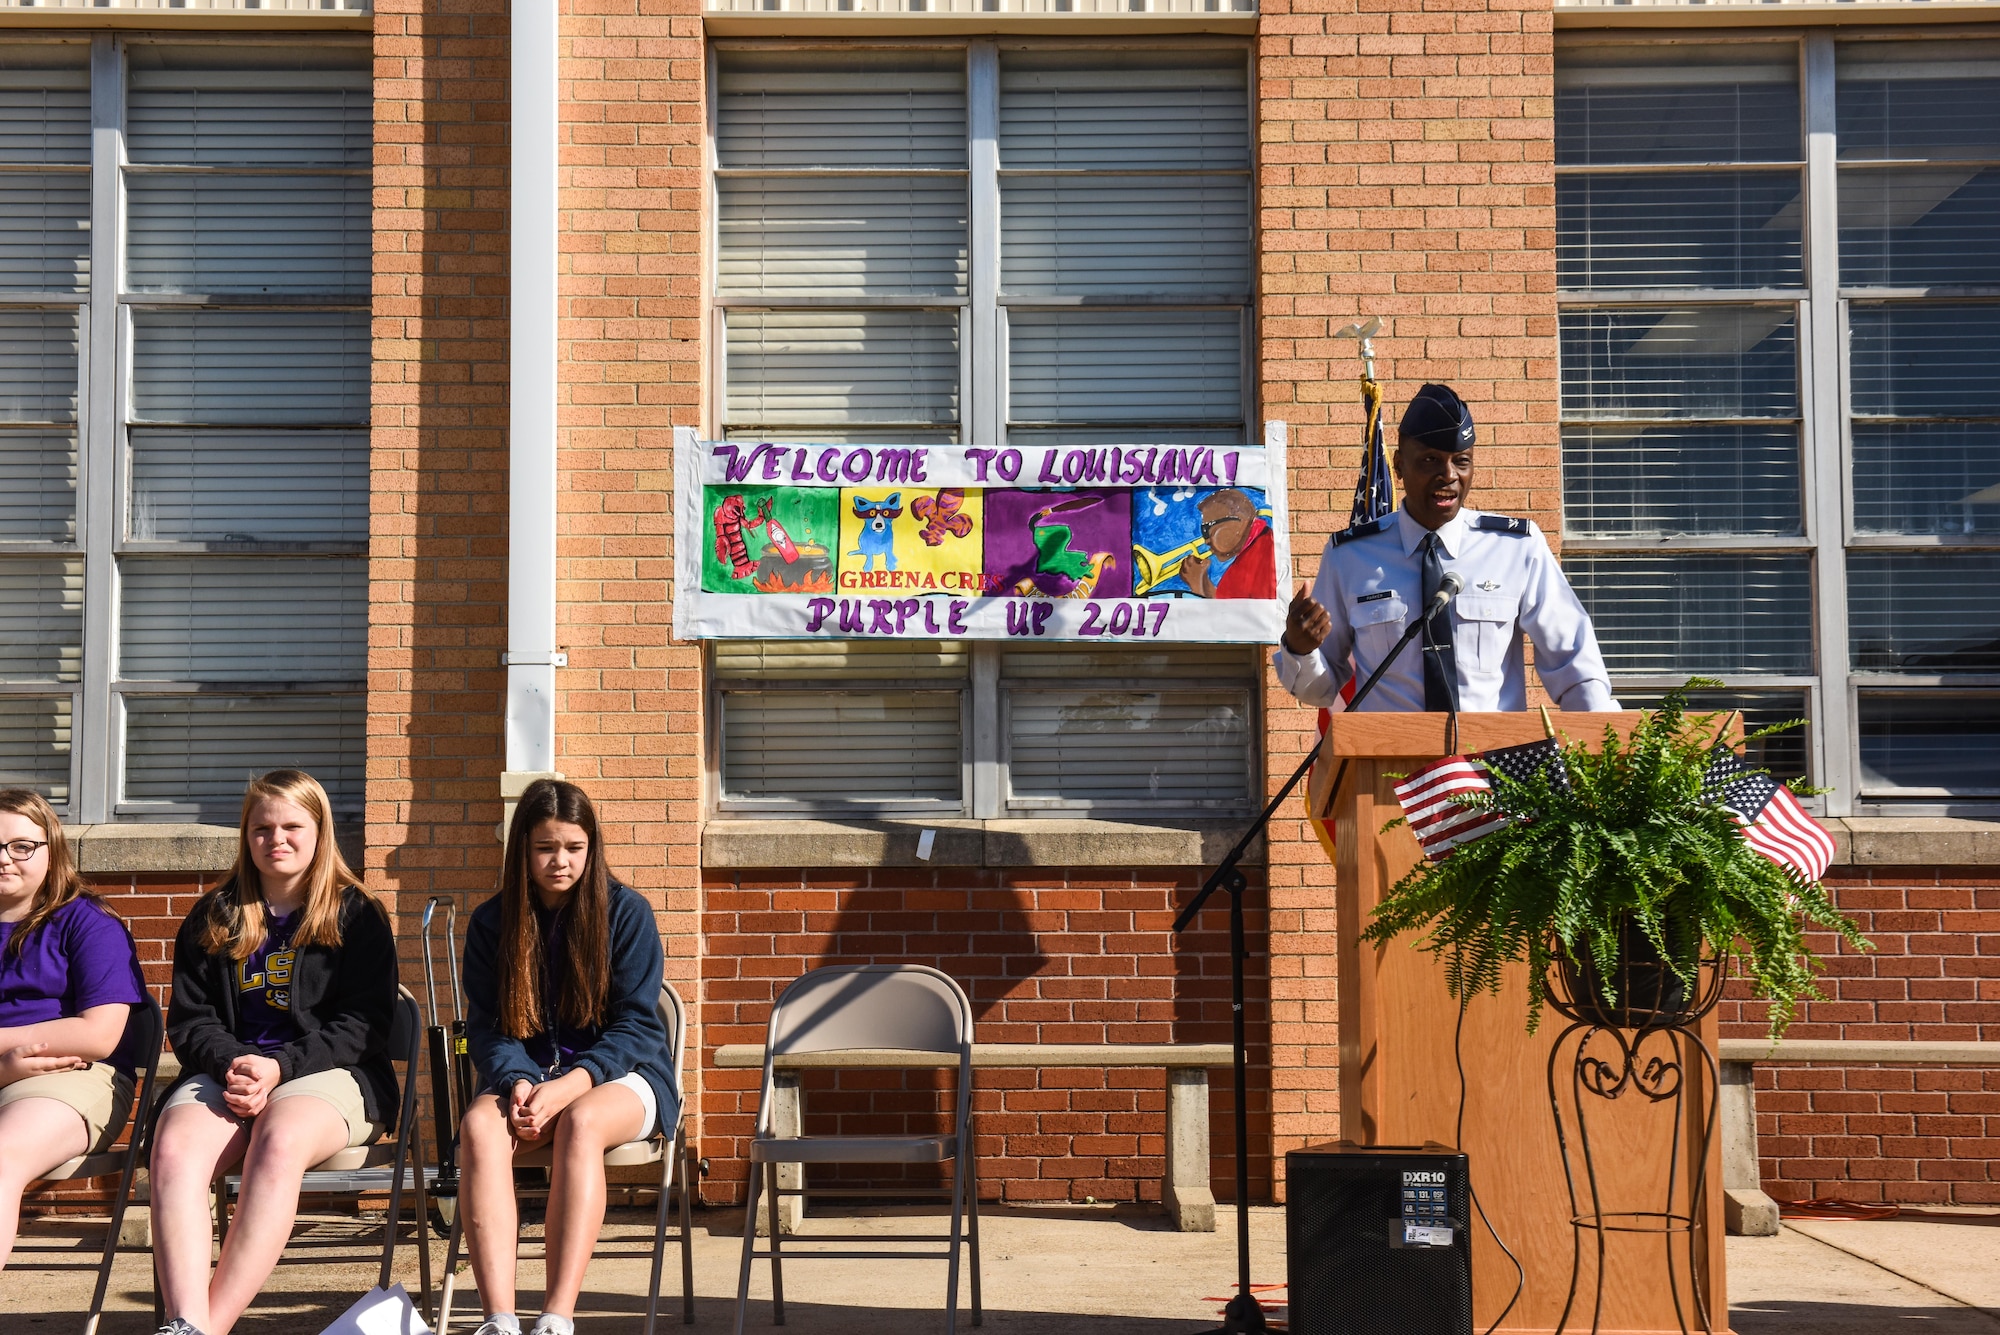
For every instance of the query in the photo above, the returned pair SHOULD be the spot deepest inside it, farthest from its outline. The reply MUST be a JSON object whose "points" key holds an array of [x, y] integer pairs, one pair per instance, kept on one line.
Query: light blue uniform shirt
{"points": [[1372, 587]]}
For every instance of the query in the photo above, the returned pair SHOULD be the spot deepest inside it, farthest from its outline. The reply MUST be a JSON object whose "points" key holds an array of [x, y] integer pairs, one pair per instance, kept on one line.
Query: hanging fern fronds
{"points": [[1624, 834]]}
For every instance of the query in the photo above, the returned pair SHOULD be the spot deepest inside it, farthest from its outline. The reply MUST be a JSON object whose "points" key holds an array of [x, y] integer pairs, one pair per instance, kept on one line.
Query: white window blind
{"points": [[272, 234], [195, 752], [889, 734], [41, 619], [1163, 730], [37, 486], [223, 619], [219, 486], [35, 744], [1117, 196], [38, 364], [250, 368], [847, 368]]}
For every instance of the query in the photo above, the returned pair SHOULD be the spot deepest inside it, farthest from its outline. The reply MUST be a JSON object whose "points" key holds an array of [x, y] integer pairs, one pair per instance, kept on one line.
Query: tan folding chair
{"points": [[665, 1147], [858, 1009], [336, 1175], [124, 1162]]}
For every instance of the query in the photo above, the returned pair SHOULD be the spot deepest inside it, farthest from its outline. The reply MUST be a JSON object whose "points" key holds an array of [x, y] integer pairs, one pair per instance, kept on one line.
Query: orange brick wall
{"points": [[438, 517], [1078, 955], [1406, 170], [1923, 1134], [630, 218]]}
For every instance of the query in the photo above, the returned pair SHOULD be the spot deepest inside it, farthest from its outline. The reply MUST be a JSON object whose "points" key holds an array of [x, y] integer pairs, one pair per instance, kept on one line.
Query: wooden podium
{"points": [[1399, 1084]]}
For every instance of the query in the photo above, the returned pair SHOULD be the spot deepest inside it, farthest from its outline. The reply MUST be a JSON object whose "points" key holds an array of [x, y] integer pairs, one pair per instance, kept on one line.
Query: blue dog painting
{"points": [[878, 532]]}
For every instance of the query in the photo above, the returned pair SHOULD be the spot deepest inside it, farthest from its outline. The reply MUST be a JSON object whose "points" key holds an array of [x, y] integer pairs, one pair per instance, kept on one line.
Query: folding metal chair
{"points": [[664, 1148], [406, 1038], [858, 1009], [151, 1028]]}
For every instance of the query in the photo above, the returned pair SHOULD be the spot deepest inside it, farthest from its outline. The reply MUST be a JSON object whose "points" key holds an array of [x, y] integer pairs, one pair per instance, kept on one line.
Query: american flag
{"points": [[1773, 821], [1441, 823], [1373, 496]]}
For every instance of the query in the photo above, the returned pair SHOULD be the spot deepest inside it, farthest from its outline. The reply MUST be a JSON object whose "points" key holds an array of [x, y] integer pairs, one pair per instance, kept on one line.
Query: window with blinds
{"points": [[1827, 554], [1680, 259], [983, 242], [45, 270], [1919, 173], [213, 624]]}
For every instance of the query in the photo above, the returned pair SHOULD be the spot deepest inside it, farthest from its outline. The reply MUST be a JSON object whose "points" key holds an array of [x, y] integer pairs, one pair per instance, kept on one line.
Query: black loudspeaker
{"points": [[1378, 1239]]}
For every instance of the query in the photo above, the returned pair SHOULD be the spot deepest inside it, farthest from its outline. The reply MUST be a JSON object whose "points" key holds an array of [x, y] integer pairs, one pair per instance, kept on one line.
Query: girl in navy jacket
{"points": [[562, 981]]}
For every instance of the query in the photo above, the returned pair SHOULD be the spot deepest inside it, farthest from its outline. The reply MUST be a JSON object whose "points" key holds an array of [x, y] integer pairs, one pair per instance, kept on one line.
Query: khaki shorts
{"points": [[337, 1087], [102, 1096]]}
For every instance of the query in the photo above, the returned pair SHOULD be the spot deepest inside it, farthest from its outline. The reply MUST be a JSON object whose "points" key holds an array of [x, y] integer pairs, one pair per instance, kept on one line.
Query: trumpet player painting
{"points": [[1048, 542], [1203, 542]]}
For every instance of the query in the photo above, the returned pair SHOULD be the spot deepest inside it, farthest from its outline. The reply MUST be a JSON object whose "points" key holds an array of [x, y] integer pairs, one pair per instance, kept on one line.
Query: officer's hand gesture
{"points": [[1307, 624]]}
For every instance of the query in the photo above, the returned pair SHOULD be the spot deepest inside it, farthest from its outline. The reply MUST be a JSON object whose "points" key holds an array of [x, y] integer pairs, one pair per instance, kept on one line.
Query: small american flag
{"points": [[1773, 821], [1428, 796]]}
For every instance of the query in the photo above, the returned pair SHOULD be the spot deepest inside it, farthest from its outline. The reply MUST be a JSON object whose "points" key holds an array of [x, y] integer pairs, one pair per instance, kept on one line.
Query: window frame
{"points": [[103, 426], [983, 394], [1823, 305]]}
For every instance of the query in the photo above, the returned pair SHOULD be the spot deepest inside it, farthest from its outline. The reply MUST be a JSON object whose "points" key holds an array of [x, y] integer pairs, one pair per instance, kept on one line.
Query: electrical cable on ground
{"points": [[1458, 1143]]}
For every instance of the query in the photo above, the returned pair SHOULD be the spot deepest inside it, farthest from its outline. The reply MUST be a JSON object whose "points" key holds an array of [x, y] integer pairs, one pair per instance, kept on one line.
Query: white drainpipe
{"points": [[531, 657]]}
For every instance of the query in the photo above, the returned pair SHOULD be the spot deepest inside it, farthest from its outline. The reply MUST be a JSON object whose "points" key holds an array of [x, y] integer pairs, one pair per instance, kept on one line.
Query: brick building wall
{"points": [[1059, 955], [1913, 1134], [630, 307], [1406, 170], [438, 503]]}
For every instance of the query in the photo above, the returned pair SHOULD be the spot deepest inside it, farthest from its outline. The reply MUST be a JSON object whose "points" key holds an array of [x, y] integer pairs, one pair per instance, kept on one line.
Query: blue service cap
{"points": [[1439, 418]]}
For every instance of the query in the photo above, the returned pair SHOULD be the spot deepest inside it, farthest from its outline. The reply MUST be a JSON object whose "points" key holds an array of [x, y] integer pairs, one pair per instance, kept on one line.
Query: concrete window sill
{"points": [[1870, 841], [103, 849], [968, 843]]}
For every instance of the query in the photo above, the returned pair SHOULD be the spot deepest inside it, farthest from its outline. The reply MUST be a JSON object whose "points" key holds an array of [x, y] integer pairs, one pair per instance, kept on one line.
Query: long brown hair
{"points": [[63, 882], [235, 917], [586, 983]]}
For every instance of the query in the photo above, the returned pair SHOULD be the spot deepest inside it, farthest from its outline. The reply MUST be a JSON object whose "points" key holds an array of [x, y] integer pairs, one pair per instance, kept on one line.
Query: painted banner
{"points": [[1055, 542]]}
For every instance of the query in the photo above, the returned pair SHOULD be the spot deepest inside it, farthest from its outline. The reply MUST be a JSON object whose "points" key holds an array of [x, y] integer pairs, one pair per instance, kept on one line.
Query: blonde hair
{"points": [[232, 928], [63, 882]]}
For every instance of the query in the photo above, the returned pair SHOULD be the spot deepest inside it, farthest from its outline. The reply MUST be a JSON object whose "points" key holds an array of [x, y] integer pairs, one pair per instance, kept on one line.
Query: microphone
{"points": [[1449, 588]]}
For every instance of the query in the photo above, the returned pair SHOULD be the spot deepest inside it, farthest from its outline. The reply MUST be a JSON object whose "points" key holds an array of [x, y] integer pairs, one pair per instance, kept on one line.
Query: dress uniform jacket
{"points": [[1371, 584]]}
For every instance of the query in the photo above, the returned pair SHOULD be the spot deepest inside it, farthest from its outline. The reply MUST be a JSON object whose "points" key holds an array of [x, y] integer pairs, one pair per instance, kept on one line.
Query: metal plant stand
{"points": [[1642, 1052]]}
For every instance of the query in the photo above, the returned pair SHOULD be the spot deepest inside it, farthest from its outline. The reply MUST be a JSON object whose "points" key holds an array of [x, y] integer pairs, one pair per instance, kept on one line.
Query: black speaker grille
{"points": [[1343, 1224]]}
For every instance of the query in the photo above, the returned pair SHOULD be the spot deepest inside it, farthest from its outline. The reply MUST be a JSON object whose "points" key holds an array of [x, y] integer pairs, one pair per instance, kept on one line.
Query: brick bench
{"points": [[1746, 1209], [1185, 1191]]}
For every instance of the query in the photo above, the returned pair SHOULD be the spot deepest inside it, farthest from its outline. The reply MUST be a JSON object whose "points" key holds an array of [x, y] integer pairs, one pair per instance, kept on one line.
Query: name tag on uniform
{"points": [[1375, 597]]}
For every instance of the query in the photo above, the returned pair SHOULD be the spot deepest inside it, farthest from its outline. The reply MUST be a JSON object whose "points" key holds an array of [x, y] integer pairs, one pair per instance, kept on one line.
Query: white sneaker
{"points": [[551, 1324], [179, 1326], [496, 1328]]}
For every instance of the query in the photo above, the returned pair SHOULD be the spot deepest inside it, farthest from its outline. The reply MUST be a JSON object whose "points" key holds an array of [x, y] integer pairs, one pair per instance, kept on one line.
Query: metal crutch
{"points": [[447, 1103]]}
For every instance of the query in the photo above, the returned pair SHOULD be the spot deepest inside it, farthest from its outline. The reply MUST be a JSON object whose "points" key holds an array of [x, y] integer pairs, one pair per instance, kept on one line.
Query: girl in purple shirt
{"points": [[69, 978]]}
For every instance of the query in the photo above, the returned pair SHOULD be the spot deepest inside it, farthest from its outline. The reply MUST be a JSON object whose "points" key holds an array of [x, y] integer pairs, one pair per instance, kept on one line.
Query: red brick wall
{"points": [[438, 496], [1079, 955], [1406, 170], [1922, 1134]]}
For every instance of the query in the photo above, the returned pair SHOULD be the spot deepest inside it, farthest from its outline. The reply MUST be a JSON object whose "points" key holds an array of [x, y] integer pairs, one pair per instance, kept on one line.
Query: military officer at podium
{"points": [[1375, 577]]}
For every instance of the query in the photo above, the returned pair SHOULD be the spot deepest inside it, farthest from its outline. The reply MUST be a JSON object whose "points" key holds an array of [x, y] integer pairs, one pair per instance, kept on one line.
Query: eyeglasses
{"points": [[20, 850]]}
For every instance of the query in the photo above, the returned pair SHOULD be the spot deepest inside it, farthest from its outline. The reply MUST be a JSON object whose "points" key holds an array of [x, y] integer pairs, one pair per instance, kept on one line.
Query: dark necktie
{"points": [[1440, 663]]}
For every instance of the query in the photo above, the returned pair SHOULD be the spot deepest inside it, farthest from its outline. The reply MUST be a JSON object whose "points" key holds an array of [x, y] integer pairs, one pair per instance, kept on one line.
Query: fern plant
{"points": [[1620, 839]]}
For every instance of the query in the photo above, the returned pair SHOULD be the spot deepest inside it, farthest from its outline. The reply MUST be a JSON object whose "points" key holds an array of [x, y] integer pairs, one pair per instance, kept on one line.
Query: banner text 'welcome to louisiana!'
{"points": [[1055, 542]]}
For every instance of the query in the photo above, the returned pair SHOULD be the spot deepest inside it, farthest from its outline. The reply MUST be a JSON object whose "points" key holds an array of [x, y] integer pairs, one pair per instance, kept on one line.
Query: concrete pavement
{"points": [[1106, 1270]]}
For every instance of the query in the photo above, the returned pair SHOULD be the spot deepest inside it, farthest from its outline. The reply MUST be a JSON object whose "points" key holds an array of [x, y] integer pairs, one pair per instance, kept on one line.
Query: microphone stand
{"points": [[1244, 1314]]}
